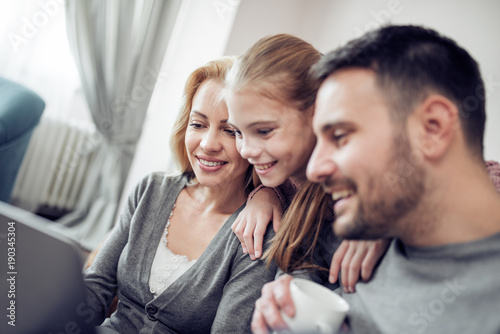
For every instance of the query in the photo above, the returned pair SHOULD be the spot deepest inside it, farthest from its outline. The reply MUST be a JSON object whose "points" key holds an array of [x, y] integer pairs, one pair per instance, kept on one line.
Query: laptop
{"points": [[41, 290]]}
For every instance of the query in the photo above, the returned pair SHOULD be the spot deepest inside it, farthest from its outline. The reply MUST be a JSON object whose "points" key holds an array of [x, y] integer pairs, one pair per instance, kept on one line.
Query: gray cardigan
{"points": [[217, 294]]}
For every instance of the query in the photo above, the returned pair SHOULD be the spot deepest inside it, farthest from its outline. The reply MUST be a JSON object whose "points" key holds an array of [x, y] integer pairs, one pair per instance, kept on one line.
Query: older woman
{"points": [[172, 258]]}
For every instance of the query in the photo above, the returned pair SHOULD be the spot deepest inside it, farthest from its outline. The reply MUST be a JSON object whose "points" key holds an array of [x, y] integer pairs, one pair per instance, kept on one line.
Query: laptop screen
{"points": [[43, 290]]}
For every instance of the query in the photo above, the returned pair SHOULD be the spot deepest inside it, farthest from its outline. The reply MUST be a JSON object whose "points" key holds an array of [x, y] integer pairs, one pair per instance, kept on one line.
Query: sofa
{"points": [[20, 112]]}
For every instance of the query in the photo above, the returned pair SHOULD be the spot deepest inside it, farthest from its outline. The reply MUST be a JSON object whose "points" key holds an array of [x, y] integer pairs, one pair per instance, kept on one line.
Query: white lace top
{"points": [[167, 266]]}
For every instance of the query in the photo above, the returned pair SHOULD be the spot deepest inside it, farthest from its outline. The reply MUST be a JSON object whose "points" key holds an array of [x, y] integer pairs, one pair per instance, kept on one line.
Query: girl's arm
{"points": [[263, 206], [355, 259]]}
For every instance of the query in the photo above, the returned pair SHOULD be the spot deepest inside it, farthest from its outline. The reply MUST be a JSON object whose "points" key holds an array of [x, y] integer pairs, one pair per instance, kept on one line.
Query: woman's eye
{"points": [[230, 132], [238, 133], [196, 125]]}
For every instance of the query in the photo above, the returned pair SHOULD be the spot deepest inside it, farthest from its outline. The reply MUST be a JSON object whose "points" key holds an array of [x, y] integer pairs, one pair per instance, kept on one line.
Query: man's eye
{"points": [[339, 138]]}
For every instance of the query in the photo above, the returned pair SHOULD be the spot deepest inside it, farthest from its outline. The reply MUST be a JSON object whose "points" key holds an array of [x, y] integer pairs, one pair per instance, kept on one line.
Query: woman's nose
{"points": [[211, 142]]}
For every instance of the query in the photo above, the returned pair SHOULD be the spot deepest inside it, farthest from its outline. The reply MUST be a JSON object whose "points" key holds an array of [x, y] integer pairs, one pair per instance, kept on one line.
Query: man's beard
{"points": [[382, 210]]}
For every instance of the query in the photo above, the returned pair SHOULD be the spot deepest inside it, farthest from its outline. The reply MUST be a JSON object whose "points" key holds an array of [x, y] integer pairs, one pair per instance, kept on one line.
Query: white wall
{"points": [[259, 18], [328, 24]]}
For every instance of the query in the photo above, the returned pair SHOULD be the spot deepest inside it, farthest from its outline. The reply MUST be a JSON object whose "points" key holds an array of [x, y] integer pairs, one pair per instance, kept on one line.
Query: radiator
{"points": [[55, 165]]}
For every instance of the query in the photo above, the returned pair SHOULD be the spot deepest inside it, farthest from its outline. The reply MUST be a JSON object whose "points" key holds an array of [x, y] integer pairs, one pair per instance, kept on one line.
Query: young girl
{"points": [[270, 99]]}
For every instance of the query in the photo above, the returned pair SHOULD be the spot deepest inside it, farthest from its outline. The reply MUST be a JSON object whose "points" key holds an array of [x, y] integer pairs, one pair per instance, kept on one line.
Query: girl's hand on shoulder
{"points": [[251, 224], [355, 259]]}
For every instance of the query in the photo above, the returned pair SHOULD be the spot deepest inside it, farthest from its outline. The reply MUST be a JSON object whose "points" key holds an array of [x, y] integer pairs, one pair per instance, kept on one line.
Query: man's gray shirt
{"points": [[444, 289]]}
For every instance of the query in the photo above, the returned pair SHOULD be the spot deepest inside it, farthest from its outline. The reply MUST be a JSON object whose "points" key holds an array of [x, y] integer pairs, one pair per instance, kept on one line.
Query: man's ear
{"points": [[438, 121]]}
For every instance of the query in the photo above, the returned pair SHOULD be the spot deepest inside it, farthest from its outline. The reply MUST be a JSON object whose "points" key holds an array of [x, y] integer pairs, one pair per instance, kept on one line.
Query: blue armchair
{"points": [[20, 112]]}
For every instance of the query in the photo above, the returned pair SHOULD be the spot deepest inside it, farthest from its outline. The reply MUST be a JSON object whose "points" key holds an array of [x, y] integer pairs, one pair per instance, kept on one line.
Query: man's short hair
{"points": [[411, 62]]}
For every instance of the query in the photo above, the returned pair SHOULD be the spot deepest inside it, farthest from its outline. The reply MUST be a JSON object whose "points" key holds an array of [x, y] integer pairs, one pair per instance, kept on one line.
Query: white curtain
{"points": [[34, 52], [118, 46]]}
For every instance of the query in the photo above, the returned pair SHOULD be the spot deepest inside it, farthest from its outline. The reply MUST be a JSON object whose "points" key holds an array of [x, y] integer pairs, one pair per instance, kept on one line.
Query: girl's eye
{"points": [[238, 133], [264, 132]]}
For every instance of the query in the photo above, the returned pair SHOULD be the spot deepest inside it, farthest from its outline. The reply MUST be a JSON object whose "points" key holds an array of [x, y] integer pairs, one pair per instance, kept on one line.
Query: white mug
{"points": [[317, 308]]}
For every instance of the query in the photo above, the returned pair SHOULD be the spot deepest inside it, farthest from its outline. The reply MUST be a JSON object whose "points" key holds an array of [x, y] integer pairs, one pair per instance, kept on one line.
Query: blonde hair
{"points": [[293, 246], [214, 70], [278, 67]]}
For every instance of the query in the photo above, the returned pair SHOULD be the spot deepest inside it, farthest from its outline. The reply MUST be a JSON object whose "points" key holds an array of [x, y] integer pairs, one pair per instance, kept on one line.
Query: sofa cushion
{"points": [[20, 110]]}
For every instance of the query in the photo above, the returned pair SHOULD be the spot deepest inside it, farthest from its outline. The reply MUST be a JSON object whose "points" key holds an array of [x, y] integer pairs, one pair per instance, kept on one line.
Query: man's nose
{"points": [[321, 164]]}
